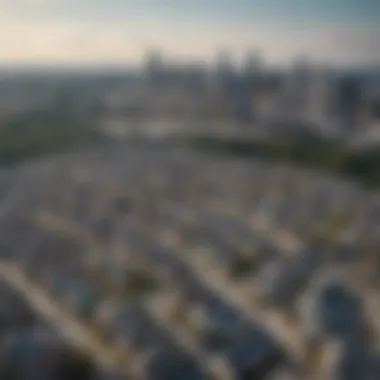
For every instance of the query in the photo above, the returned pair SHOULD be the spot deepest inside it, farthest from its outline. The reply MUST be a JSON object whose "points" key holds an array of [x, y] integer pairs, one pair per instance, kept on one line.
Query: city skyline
{"points": [[119, 32]]}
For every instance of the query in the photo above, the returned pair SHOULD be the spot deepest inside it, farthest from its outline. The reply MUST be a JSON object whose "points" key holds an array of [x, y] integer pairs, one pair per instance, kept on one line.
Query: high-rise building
{"points": [[320, 95], [252, 65], [296, 88], [302, 78], [375, 109], [224, 66], [349, 101], [153, 65], [251, 84]]}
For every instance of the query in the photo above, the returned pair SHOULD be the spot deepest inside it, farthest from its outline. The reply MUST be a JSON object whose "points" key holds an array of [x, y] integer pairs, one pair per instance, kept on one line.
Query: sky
{"points": [[81, 32]]}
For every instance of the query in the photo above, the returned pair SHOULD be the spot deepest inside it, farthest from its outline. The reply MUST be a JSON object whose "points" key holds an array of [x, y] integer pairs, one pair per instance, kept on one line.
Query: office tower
{"points": [[302, 78], [223, 81], [153, 65], [296, 88], [371, 99], [252, 65], [224, 66], [375, 109], [320, 102], [349, 98], [252, 84]]}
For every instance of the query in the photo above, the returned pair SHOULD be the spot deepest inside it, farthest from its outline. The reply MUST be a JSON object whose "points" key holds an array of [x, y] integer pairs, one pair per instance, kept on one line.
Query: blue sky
{"points": [[83, 31]]}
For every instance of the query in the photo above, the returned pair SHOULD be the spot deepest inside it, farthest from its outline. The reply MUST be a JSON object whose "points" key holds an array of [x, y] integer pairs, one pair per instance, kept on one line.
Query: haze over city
{"points": [[115, 32], [189, 190]]}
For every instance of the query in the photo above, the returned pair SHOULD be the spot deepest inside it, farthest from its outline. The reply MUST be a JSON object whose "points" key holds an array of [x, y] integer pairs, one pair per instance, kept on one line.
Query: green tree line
{"points": [[331, 155], [34, 134]]}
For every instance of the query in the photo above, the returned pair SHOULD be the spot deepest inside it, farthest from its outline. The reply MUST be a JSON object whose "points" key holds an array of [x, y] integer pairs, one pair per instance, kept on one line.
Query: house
{"points": [[255, 355], [172, 364]]}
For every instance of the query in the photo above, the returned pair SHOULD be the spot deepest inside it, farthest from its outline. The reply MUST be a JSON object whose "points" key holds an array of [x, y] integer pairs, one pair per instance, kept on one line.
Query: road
{"points": [[158, 307], [243, 298], [243, 301], [63, 322]]}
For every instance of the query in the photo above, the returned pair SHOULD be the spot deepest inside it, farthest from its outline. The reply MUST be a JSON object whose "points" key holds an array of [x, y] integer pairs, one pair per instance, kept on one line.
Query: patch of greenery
{"points": [[330, 155], [34, 134], [138, 283]]}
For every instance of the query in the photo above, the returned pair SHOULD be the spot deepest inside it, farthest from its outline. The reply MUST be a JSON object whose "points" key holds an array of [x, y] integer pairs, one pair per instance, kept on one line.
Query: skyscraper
{"points": [[320, 100], [153, 65], [350, 101], [297, 87], [252, 65], [224, 66]]}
